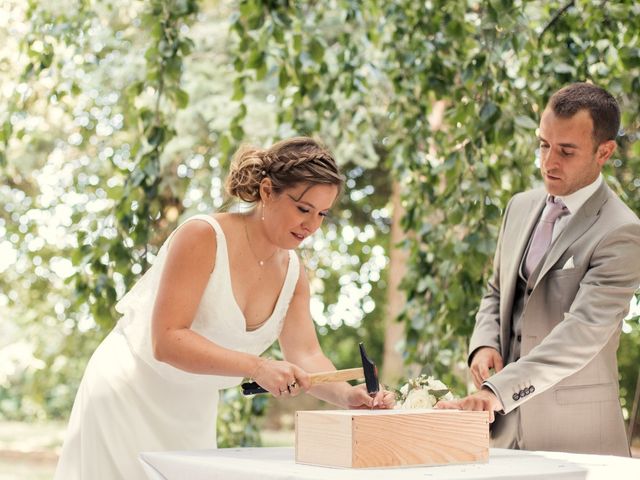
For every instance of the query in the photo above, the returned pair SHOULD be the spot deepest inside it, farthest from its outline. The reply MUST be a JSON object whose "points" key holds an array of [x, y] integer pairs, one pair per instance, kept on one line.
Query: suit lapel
{"points": [[533, 209], [525, 220], [580, 223]]}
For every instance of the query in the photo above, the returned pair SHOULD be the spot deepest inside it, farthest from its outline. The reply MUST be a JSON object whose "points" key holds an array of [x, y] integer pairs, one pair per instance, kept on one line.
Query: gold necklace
{"points": [[260, 262]]}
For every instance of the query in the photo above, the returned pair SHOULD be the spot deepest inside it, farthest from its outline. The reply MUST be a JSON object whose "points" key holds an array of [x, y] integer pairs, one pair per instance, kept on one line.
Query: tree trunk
{"points": [[393, 363], [394, 330]]}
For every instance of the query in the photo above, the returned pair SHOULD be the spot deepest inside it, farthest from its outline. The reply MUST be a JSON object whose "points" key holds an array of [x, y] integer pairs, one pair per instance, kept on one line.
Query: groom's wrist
{"points": [[499, 404]]}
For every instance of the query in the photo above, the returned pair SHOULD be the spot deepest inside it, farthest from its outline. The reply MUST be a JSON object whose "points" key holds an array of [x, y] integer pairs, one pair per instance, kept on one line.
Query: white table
{"points": [[279, 464]]}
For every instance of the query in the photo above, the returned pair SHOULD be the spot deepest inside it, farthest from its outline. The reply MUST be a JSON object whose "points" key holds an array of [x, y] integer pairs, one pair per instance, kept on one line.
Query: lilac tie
{"points": [[544, 233]]}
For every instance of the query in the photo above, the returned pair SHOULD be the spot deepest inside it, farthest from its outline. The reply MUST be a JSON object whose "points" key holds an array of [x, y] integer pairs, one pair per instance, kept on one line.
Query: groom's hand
{"points": [[483, 400], [484, 360]]}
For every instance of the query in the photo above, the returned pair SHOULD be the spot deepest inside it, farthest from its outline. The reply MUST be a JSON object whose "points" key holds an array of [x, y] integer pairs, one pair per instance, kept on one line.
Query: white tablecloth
{"points": [[279, 464]]}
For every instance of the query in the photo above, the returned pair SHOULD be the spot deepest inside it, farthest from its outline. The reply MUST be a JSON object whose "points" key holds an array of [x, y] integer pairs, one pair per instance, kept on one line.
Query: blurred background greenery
{"points": [[118, 119]]}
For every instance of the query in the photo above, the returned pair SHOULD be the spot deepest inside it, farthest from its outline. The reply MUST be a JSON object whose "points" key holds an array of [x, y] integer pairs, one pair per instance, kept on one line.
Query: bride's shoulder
{"points": [[230, 224], [227, 220], [195, 232]]}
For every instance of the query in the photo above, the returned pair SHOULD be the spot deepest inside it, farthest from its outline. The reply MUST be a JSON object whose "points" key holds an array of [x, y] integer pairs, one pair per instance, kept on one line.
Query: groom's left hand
{"points": [[483, 400]]}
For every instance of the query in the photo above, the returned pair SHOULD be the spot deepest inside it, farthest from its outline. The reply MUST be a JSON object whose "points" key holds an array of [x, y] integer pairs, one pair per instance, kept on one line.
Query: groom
{"points": [[543, 351]]}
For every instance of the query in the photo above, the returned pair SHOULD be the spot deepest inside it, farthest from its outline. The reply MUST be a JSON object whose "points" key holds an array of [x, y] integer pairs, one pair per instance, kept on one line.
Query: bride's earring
{"points": [[263, 211]]}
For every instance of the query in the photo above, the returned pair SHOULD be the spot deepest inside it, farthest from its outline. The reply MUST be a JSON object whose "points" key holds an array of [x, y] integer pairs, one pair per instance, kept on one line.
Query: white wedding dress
{"points": [[129, 402]]}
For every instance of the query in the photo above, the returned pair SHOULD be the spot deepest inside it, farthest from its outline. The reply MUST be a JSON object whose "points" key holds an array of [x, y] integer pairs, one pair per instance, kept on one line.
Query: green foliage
{"points": [[314, 62], [114, 122], [113, 166], [139, 204], [494, 76], [491, 66], [83, 162], [235, 425], [629, 368], [34, 256]]}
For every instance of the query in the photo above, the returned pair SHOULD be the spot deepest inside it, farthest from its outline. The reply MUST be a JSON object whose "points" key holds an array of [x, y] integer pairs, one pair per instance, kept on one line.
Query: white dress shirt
{"points": [[573, 202]]}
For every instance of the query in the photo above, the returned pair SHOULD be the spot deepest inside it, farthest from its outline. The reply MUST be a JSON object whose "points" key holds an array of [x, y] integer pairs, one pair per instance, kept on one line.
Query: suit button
{"points": [[522, 393], [519, 338], [516, 396], [532, 389], [529, 290]]}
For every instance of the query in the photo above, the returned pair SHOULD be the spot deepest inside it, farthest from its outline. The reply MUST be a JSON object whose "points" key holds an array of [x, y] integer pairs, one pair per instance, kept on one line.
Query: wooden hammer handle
{"points": [[337, 375]]}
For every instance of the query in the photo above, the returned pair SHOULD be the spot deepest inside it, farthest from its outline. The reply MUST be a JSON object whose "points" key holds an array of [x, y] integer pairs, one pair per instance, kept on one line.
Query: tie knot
{"points": [[554, 210]]}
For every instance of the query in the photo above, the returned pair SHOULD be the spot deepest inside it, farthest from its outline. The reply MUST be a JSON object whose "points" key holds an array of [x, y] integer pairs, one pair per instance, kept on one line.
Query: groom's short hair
{"points": [[603, 108]]}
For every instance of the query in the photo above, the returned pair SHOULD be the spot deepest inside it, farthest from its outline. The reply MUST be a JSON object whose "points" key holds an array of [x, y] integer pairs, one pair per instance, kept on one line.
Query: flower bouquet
{"points": [[422, 392]]}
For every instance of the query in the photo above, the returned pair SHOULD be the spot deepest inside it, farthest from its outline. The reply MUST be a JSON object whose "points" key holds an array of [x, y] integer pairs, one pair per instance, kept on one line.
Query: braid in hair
{"points": [[287, 164], [302, 159]]}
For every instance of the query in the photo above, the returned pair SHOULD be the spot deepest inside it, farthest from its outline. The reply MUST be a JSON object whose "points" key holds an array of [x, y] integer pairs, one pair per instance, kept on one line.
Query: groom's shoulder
{"points": [[618, 210], [528, 196]]}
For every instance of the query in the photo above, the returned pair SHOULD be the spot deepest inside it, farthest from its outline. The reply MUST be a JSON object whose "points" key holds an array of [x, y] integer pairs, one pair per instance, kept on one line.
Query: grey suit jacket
{"points": [[566, 380]]}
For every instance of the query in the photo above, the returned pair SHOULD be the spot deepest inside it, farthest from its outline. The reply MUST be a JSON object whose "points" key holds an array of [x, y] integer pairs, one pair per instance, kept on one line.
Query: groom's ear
{"points": [[604, 151]]}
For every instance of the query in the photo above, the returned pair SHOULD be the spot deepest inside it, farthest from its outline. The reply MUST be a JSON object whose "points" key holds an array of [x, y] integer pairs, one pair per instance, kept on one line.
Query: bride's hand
{"points": [[281, 378], [358, 397]]}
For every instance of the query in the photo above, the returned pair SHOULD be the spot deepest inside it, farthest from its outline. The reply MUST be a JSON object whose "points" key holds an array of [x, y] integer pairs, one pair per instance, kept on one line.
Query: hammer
{"points": [[368, 371]]}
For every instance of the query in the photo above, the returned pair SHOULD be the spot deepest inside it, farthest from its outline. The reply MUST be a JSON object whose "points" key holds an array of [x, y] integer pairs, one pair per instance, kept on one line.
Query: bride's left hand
{"points": [[358, 397]]}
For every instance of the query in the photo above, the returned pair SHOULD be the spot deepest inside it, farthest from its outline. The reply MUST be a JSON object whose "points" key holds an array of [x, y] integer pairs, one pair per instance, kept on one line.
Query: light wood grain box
{"points": [[391, 438]]}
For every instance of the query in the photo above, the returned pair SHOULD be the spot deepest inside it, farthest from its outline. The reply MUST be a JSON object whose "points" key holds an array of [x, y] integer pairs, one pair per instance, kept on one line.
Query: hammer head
{"points": [[370, 372]]}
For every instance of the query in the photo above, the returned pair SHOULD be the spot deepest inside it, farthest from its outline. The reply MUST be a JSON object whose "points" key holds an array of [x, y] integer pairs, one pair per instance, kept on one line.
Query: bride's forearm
{"points": [[189, 351], [332, 392]]}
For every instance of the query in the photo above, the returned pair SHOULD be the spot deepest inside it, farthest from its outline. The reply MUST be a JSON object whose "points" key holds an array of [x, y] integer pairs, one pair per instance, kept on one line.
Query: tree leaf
{"points": [[525, 122]]}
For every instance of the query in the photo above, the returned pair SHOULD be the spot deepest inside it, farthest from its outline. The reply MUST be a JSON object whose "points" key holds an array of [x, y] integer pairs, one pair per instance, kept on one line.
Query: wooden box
{"points": [[390, 438]]}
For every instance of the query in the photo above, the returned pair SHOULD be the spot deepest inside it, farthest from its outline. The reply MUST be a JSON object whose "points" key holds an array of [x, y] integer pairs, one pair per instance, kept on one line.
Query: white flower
{"points": [[437, 384], [447, 396], [422, 392], [419, 398], [404, 390]]}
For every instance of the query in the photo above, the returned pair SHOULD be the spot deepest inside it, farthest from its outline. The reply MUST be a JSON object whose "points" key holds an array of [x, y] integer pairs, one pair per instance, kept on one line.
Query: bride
{"points": [[222, 289]]}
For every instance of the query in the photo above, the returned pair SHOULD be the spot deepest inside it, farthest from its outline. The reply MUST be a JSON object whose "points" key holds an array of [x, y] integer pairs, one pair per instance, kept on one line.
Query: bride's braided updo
{"points": [[286, 163]]}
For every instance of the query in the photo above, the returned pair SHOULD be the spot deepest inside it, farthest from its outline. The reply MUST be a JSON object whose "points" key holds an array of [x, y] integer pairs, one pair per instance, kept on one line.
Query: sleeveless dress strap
{"points": [[288, 289], [222, 269], [207, 218], [293, 272]]}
